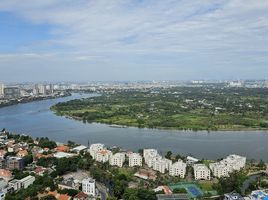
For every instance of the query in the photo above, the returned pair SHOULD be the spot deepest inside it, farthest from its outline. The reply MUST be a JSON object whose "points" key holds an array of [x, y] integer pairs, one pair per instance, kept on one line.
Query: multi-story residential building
{"points": [[134, 159], [236, 162], [178, 169], [117, 159], [103, 155], [149, 156], [94, 148], [89, 186], [219, 169], [227, 165], [201, 172], [15, 163], [161, 164]]}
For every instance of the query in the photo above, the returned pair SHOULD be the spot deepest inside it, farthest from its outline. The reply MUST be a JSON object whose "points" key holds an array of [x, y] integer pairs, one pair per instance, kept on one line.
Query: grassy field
{"points": [[175, 108]]}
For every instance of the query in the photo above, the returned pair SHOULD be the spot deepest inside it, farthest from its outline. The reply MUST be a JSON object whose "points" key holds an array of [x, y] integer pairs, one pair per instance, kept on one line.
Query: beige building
{"points": [[201, 172], [178, 169], [103, 155], [117, 159], [134, 159]]}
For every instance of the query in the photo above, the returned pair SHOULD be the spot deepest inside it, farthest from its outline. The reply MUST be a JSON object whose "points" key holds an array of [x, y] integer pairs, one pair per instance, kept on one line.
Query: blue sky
{"points": [[84, 40]]}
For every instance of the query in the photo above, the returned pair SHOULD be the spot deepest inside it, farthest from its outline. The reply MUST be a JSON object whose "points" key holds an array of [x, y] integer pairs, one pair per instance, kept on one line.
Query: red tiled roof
{"points": [[81, 195]]}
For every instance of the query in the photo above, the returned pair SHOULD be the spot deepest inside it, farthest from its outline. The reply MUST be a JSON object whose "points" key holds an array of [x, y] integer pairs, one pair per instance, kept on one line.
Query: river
{"points": [[37, 120]]}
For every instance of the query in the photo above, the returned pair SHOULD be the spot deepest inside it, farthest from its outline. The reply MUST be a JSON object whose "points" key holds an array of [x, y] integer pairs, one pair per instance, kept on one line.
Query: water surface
{"points": [[37, 120]]}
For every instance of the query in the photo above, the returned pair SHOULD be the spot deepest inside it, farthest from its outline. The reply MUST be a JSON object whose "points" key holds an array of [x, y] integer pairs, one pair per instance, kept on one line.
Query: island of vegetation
{"points": [[210, 107]]}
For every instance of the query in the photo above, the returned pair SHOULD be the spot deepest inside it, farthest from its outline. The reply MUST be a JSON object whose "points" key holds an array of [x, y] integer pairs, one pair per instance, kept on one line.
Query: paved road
{"points": [[102, 190]]}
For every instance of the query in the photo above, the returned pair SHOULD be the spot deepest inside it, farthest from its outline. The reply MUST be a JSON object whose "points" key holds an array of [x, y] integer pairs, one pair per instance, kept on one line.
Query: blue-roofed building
{"points": [[259, 195]]}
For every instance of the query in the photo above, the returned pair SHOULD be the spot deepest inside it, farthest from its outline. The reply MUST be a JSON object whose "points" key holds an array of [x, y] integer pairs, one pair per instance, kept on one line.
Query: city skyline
{"points": [[133, 40]]}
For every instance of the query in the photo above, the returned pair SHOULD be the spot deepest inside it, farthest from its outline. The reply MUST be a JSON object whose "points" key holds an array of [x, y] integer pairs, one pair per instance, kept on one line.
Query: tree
{"points": [[231, 183], [261, 164], [179, 191], [168, 155], [28, 159], [48, 197]]}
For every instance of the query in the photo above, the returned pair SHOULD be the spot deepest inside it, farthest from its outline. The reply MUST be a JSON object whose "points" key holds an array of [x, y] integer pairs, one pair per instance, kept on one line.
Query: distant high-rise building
{"points": [[11, 92], [51, 88], [1, 89], [42, 89]]}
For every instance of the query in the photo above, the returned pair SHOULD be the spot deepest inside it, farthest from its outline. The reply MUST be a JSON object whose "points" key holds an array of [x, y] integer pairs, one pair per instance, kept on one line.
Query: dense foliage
{"points": [[209, 107]]}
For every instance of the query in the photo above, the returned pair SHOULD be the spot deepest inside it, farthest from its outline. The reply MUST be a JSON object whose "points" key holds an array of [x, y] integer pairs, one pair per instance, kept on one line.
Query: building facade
{"points": [[201, 172], [178, 169], [134, 159], [117, 159], [89, 186]]}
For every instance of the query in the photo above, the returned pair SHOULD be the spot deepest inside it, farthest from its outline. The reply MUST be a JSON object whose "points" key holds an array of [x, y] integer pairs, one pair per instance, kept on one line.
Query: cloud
{"points": [[195, 33]]}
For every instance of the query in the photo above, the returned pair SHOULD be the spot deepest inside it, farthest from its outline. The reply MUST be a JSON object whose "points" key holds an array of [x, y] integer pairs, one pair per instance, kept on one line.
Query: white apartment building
{"points": [[161, 164], [228, 165], [89, 186], [219, 169], [94, 148], [178, 169], [134, 159], [201, 172], [149, 156], [236, 162], [103, 155], [27, 181], [117, 159]]}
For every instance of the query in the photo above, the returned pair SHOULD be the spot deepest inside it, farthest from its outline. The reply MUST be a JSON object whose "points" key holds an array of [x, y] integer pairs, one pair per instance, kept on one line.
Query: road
{"points": [[102, 190]]}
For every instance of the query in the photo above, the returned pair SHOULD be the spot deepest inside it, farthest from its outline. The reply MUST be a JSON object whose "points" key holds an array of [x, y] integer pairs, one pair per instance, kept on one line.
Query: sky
{"points": [[121, 40]]}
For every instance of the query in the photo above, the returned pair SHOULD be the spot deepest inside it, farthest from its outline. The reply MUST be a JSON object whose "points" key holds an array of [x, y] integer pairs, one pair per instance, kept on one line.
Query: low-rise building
{"points": [[62, 148], [89, 186], [27, 181], [233, 196], [5, 174], [191, 160], [79, 148], [201, 172], [134, 159], [178, 169], [117, 159], [22, 153], [81, 196], [69, 183]]}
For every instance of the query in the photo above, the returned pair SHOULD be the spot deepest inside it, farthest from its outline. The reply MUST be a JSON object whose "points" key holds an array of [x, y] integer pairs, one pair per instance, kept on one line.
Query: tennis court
{"points": [[192, 189]]}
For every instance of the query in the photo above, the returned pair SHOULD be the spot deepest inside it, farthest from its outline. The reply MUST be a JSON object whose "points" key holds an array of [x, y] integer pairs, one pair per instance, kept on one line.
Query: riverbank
{"points": [[235, 130], [32, 99]]}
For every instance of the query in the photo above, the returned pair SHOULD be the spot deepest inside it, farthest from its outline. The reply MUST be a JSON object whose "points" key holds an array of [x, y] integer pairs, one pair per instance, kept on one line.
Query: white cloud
{"points": [[199, 30]]}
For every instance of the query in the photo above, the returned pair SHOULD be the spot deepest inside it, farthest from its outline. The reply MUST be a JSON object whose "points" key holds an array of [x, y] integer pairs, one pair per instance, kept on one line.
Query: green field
{"points": [[182, 108]]}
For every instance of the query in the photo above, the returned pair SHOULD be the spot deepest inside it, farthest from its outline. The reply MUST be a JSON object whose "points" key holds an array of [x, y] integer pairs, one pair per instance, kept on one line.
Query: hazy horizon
{"points": [[86, 40]]}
